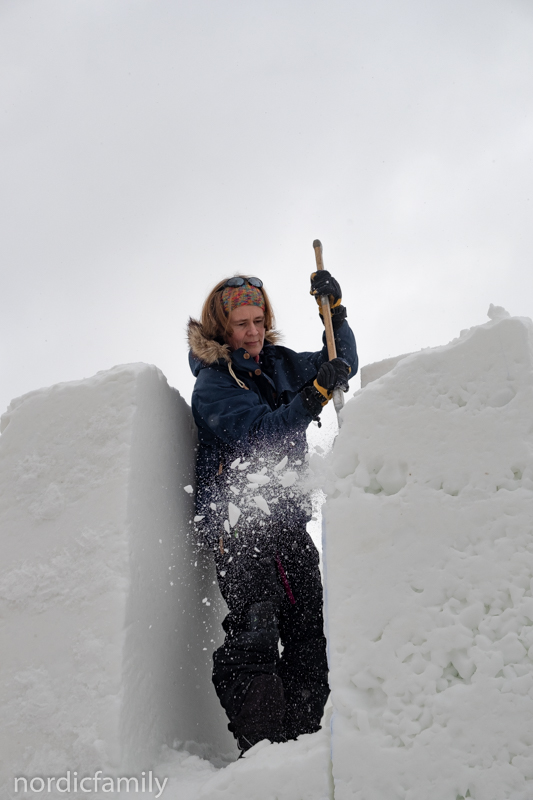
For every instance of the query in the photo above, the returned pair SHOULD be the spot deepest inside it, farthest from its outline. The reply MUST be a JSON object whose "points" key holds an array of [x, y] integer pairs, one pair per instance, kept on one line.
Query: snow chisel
{"points": [[338, 396]]}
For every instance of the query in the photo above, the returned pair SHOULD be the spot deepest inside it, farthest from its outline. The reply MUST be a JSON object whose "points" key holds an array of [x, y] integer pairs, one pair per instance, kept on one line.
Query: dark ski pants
{"points": [[279, 570]]}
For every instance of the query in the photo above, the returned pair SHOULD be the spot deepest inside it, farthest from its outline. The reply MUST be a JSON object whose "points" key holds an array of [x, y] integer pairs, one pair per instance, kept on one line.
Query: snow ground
{"points": [[429, 577]]}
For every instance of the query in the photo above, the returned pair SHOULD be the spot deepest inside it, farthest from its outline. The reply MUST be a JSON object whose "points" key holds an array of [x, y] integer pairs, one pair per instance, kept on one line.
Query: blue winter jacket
{"points": [[257, 407]]}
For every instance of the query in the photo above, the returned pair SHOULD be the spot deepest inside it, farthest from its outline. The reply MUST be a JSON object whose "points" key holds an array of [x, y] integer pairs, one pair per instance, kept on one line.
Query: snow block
{"points": [[429, 564], [108, 614], [371, 372]]}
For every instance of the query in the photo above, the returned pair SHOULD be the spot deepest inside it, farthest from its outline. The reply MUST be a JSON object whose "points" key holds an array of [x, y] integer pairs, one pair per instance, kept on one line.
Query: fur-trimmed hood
{"points": [[209, 351]]}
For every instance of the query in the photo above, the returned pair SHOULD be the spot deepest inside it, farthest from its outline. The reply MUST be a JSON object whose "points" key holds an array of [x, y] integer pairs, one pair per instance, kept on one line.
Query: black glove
{"points": [[332, 375], [322, 283]]}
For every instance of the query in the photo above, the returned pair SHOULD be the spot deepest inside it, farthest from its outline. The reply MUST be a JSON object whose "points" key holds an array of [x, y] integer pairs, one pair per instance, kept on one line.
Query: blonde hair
{"points": [[214, 320]]}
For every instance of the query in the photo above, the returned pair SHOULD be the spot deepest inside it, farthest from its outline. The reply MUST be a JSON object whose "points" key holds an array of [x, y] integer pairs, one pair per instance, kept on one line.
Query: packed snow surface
{"points": [[429, 560]]}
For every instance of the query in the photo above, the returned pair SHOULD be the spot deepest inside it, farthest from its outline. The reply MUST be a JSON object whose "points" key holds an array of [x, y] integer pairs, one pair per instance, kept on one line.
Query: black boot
{"points": [[304, 713], [262, 713], [305, 680], [263, 708]]}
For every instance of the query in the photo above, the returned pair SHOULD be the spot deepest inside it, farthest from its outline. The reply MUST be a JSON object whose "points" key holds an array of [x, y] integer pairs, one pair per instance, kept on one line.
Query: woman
{"points": [[252, 402]]}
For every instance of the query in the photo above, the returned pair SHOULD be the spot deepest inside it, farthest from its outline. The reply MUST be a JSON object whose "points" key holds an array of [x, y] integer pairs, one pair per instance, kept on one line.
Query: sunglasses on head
{"points": [[237, 281]]}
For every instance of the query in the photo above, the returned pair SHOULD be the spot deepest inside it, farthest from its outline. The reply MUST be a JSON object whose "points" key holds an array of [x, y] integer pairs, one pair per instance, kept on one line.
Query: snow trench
{"points": [[109, 613]]}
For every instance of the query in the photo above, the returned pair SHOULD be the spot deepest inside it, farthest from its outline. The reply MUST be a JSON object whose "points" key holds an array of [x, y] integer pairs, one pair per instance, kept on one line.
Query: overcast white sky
{"points": [[151, 147]]}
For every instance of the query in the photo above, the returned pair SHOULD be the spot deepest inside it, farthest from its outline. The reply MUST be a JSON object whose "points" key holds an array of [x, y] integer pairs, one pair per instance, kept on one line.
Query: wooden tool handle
{"points": [[324, 300], [338, 396]]}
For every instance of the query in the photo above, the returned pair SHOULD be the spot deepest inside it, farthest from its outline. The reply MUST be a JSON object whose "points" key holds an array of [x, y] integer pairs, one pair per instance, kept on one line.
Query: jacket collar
{"points": [[205, 352]]}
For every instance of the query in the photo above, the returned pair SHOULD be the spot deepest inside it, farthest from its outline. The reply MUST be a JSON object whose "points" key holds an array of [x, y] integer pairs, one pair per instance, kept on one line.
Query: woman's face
{"points": [[248, 329]]}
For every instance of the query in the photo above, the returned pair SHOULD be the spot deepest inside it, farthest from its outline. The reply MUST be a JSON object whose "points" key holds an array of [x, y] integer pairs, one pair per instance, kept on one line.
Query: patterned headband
{"points": [[246, 295]]}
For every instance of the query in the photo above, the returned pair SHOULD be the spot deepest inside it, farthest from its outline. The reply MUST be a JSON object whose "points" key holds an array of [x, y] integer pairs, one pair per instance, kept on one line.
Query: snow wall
{"points": [[108, 614], [429, 562], [371, 372]]}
